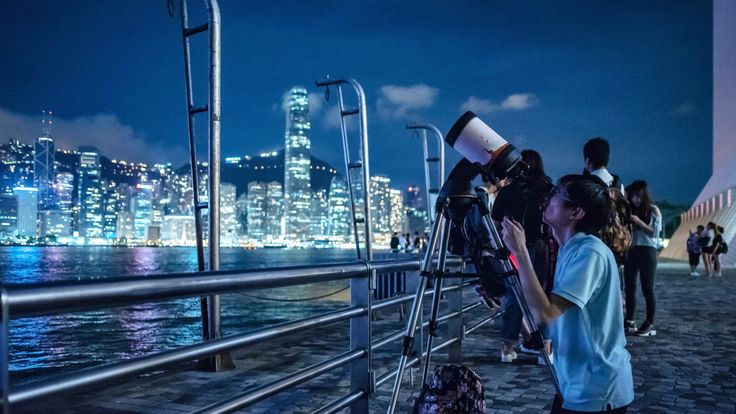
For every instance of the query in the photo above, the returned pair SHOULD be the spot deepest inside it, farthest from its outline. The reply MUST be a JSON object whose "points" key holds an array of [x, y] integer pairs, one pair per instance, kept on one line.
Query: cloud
{"points": [[396, 102], [685, 108], [513, 102], [331, 119], [104, 131]]}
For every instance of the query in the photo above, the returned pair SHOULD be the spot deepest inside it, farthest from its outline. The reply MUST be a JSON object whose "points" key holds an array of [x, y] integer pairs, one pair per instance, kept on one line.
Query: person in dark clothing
{"points": [[642, 257], [694, 250], [522, 201], [395, 242]]}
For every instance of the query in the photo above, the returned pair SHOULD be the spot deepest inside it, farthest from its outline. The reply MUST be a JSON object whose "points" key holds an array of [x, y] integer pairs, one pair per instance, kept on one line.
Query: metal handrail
{"points": [[21, 300]]}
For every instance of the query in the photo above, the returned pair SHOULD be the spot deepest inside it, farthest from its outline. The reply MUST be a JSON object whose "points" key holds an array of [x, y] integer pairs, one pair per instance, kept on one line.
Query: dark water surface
{"points": [[46, 345]]}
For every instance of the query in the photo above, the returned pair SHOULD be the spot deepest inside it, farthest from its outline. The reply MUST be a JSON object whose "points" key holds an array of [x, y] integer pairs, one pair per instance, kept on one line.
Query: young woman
{"points": [[582, 313], [717, 246], [642, 257], [708, 248]]}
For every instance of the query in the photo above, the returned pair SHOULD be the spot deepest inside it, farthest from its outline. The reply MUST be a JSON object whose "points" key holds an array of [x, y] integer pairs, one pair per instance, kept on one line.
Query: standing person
{"points": [[693, 250], [596, 153], [717, 249], [642, 257], [402, 242], [395, 242], [707, 247], [522, 201], [582, 311], [417, 241]]}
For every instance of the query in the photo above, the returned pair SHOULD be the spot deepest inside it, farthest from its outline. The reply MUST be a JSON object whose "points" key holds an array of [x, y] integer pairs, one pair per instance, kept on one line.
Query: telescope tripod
{"points": [[454, 207]]}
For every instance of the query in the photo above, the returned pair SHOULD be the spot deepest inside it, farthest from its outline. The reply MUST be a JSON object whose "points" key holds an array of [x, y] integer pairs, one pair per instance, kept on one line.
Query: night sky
{"points": [[545, 76]]}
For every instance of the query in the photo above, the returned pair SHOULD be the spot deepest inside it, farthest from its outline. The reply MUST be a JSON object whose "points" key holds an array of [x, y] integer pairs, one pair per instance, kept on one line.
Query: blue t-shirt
{"points": [[593, 367]]}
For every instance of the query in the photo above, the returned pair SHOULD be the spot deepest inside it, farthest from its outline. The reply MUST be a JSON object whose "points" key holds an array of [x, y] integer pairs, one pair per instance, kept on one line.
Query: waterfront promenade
{"points": [[689, 367]]}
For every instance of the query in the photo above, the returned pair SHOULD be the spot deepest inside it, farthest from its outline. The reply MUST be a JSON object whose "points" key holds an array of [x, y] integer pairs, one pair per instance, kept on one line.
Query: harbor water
{"points": [[42, 346]]}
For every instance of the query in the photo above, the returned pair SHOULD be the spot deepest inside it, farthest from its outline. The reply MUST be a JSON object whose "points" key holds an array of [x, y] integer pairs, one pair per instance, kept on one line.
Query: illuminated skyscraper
{"points": [[143, 210], [339, 210], [228, 218], [64, 189], [8, 215], [381, 205], [256, 209], [27, 218], [44, 173], [320, 214], [90, 193], [397, 211], [275, 220], [297, 189]]}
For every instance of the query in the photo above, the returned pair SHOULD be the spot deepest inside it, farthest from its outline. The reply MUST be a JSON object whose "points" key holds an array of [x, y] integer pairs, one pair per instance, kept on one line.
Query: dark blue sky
{"points": [[545, 76]]}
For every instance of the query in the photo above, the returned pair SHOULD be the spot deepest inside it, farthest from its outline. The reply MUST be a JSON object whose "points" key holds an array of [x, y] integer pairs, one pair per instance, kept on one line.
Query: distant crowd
{"points": [[706, 242]]}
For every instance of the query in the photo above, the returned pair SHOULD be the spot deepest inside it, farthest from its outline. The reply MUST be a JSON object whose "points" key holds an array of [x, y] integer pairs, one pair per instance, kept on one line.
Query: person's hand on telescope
{"points": [[513, 235]]}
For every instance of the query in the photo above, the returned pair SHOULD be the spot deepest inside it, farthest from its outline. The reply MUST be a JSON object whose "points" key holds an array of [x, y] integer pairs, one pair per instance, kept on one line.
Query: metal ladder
{"points": [[210, 305], [358, 166], [439, 160]]}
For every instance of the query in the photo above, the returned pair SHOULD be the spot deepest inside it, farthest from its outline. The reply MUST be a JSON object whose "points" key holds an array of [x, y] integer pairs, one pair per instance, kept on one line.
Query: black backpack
{"points": [[722, 248]]}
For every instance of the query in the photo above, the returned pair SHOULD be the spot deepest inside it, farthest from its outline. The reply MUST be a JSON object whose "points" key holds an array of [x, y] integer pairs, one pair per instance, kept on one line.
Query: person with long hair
{"points": [[582, 312], [709, 237], [521, 200], [641, 259], [717, 248]]}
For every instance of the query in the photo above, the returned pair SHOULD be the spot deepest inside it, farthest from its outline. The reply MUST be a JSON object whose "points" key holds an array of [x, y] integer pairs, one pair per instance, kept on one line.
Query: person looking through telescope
{"points": [[582, 312], [521, 200]]}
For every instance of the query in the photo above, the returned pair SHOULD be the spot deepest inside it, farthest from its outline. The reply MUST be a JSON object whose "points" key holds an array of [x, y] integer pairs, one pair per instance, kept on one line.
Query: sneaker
{"points": [[694, 274], [508, 357], [540, 359], [630, 326], [529, 348], [646, 329]]}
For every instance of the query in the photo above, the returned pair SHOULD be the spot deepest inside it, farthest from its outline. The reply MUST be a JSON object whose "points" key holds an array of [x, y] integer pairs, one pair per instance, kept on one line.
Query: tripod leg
{"points": [[416, 308], [437, 297]]}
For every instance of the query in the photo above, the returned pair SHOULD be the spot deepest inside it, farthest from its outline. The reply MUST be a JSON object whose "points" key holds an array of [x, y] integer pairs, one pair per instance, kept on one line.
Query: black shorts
{"points": [[707, 250], [694, 259]]}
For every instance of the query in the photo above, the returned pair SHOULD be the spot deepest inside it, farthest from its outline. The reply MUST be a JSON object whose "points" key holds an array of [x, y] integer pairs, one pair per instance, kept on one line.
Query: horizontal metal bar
{"points": [[55, 297], [194, 30], [341, 403], [197, 109], [107, 373], [434, 191], [328, 82], [359, 220], [356, 164], [201, 206], [298, 377], [382, 379], [433, 159], [482, 322], [348, 112]]}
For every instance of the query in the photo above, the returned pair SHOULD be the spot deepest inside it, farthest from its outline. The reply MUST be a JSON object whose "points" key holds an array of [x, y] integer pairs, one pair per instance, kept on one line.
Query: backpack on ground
{"points": [[452, 389]]}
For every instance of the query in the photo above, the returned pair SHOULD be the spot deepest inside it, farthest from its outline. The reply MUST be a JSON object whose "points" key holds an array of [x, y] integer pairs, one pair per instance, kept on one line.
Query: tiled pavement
{"points": [[689, 367]]}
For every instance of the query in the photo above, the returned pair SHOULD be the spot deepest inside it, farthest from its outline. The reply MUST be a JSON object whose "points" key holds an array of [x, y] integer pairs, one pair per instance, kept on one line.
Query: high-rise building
{"points": [[229, 231], [27, 216], [111, 205], [64, 189], [274, 205], [339, 209], [256, 209], [53, 223], [8, 215], [297, 189], [143, 210], [125, 226], [320, 214], [90, 193], [178, 229], [381, 206], [44, 173], [397, 211], [241, 211]]}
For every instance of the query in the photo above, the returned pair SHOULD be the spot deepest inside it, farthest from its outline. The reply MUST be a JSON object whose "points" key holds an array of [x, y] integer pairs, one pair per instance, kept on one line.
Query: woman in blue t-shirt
{"points": [[583, 311]]}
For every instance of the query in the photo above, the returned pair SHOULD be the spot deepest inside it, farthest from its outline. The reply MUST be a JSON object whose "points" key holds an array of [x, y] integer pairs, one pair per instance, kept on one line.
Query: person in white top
{"points": [[596, 153]]}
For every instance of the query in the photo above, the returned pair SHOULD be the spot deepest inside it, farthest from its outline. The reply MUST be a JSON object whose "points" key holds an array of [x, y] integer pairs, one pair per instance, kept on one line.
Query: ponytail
{"points": [[607, 211]]}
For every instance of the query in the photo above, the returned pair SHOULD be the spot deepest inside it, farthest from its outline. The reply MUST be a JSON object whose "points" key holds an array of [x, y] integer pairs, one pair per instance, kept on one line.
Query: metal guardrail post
{"points": [[432, 192], [4, 354], [455, 326], [361, 370]]}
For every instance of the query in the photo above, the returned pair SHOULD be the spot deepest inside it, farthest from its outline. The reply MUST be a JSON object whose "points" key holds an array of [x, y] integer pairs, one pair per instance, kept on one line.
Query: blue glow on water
{"points": [[47, 345]]}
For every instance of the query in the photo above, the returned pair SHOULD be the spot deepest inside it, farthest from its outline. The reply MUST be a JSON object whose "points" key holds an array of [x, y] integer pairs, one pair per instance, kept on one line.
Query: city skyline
{"points": [[545, 76]]}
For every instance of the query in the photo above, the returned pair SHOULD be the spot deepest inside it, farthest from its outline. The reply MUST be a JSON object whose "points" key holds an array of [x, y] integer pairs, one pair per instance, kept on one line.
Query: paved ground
{"points": [[689, 367]]}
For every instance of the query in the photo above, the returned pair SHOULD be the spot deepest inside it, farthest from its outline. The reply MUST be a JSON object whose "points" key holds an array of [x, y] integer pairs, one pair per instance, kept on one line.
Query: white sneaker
{"points": [[540, 359], [695, 274], [508, 357]]}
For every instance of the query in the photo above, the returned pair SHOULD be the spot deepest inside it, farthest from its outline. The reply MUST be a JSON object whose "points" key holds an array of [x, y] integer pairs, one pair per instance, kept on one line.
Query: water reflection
{"points": [[52, 344]]}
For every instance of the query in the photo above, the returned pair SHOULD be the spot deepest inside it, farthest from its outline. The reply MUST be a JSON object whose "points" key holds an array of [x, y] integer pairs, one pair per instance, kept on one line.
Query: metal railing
{"points": [[29, 300]]}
